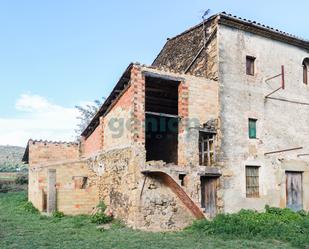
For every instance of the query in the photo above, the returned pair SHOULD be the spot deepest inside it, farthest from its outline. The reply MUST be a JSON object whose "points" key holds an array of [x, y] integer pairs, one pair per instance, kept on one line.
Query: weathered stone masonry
{"points": [[170, 144]]}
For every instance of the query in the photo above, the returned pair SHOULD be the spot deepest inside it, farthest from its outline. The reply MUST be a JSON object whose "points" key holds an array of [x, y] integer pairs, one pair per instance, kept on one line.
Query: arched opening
{"points": [[305, 70]]}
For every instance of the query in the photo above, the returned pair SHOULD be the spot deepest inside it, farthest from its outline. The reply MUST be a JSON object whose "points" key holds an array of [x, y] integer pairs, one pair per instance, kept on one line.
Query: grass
{"points": [[24, 229]]}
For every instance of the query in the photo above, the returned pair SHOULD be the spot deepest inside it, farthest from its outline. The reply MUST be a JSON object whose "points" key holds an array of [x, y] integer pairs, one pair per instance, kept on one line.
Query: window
{"points": [[252, 128], [305, 72], [206, 149], [182, 179], [250, 61], [252, 182]]}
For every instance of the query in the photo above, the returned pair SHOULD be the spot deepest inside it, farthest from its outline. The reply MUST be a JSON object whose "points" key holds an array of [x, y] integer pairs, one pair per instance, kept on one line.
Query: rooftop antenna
{"points": [[206, 13]]}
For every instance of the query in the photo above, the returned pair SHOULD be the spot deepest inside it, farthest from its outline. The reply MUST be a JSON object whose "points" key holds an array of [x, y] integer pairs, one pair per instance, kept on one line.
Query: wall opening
{"points": [[305, 70], [162, 121], [206, 148]]}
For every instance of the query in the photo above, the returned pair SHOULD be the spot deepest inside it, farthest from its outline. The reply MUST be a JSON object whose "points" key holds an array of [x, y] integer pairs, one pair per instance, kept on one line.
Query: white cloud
{"points": [[40, 119]]}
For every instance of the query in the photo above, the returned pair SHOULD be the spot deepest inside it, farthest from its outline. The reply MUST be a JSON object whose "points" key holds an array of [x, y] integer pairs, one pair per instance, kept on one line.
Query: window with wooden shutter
{"points": [[305, 73], [252, 182], [252, 128], [206, 149], [250, 65]]}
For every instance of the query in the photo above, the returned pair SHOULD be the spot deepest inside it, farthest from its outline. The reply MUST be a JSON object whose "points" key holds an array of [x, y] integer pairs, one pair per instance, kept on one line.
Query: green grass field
{"points": [[21, 229]]}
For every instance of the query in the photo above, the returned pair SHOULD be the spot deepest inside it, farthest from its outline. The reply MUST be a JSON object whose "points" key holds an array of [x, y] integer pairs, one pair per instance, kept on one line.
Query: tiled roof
{"points": [[244, 21]]}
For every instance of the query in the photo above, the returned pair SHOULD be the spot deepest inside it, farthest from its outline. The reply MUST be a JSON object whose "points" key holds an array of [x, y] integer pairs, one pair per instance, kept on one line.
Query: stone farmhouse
{"points": [[219, 122]]}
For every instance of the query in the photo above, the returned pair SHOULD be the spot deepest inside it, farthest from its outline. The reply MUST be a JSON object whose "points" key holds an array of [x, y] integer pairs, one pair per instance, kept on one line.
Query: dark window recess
{"points": [[305, 73], [252, 128], [84, 182], [206, 149], [161, 107], [252, 182], [250, 65], [182, 179]]}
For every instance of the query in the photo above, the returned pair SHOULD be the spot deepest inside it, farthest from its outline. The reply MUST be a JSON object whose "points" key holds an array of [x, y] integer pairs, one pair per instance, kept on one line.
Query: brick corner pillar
{"points": [[101, 133], [138, 126], [51, 191], [183, 112]]}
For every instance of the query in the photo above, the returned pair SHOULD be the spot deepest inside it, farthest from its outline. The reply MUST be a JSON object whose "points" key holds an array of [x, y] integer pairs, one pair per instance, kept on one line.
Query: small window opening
{"points": [[206, 149], [252, 182], [84, 183], [252, 128], [250, 65], [305, 71], [182, 179], [80, 182]]}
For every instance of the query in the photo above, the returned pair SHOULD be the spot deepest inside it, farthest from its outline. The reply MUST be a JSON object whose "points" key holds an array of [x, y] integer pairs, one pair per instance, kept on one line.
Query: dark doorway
{"points": [[294, 191], [161, 123], [209, 195]]}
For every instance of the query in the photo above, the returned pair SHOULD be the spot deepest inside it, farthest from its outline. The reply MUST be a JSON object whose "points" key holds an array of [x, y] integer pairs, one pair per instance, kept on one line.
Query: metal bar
{"points": [[279, 151], [162, 115], [300, 155], [273, 92], [290, 101], [273, 77]]}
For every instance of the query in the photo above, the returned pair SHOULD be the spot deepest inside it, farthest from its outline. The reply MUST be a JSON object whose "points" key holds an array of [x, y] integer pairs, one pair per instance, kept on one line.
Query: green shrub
{"points": [[57, 214], [21, 179], [28, 207], [274, 223], [100, 217]]}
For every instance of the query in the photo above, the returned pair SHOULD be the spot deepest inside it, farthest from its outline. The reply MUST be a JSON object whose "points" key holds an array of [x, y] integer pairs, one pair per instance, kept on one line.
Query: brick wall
{"points": [[138, 82], [94, 142], [71, 199], [117, 122], [41, 152]]}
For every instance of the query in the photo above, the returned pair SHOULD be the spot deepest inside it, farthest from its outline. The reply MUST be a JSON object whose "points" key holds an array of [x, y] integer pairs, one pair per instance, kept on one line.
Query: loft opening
{"points": [[162, 121]]}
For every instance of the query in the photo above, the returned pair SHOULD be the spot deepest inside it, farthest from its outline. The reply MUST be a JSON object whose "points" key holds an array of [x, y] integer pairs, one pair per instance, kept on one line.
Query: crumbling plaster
{"points": [[281, 125]]}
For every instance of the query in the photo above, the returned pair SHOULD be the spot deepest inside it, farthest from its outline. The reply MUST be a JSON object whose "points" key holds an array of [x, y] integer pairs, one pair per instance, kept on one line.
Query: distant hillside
{"points": [[10, 158]]}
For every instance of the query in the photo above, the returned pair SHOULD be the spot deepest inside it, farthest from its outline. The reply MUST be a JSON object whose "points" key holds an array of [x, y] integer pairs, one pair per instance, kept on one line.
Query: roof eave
{"points": [[96, 119]]}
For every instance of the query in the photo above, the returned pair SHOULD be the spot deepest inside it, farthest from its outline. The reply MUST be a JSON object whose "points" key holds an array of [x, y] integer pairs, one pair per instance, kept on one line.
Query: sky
{"points": [[56, 54]]}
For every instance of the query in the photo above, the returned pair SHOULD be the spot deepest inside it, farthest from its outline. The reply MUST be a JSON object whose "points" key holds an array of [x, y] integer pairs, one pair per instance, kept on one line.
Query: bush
{"points": [[28, 207], [274, 223], [100, 217], [57, 214], [21, 179]]}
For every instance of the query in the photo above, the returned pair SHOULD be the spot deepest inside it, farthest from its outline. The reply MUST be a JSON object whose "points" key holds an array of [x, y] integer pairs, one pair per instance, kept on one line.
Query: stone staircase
{"points": [[165, 173]]}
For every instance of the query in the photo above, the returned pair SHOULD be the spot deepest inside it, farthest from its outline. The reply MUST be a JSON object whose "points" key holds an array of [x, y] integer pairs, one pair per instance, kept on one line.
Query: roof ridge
{"points": [[248, 21], [258, 24]]}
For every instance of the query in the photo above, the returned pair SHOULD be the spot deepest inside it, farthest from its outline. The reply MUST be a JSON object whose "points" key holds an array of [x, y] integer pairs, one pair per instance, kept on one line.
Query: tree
{"points": [[86, 115]]}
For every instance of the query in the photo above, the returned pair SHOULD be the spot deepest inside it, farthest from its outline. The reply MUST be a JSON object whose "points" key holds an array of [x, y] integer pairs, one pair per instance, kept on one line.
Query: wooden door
{"points": [[294, 191], [209, 195]]}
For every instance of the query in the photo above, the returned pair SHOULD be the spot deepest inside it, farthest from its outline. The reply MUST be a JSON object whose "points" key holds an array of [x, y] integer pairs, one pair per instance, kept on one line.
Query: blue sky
{"points": [[55, 54]]}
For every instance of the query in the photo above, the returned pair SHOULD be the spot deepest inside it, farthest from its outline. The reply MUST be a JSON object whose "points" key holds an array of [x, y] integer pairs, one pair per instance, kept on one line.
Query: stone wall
{"points": [[72, 197], [180, 51], [280, 124]]}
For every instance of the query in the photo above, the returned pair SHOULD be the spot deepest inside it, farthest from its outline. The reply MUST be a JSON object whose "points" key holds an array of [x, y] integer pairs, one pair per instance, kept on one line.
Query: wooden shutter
{"points": [[250, 65], [252, 128], [305, 73], [252, 181]]}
